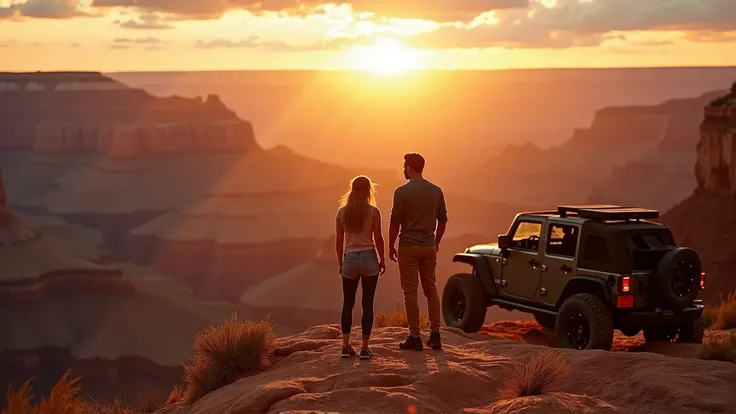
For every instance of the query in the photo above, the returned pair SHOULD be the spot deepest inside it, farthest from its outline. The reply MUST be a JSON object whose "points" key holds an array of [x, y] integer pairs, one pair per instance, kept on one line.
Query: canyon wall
{"points": [[88, 112], [706, 220]]}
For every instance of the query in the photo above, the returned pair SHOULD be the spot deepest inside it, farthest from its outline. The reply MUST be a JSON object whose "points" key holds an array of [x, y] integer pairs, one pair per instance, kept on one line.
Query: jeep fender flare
{"points": [[586, 284], [482, 269]]}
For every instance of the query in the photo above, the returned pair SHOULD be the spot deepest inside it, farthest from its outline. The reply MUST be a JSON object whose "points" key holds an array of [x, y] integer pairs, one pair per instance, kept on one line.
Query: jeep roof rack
{"points": [[608, 212]]}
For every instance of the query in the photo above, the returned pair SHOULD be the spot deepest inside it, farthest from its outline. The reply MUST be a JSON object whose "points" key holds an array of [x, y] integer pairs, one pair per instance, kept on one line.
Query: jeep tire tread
{"points": [[590, 312], [468, 288]]}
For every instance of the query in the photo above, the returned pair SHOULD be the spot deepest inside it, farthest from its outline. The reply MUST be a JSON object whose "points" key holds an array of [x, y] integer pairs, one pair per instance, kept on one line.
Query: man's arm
{"points": [[395, 226], [441, 220]]}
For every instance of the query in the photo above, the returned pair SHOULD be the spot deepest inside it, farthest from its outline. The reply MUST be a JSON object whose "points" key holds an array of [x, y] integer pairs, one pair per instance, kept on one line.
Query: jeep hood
{"points": [[491, 248]]}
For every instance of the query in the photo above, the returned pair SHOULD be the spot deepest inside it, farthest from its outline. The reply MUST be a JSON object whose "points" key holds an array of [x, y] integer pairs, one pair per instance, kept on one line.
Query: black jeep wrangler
{"points": [[584, 271]]}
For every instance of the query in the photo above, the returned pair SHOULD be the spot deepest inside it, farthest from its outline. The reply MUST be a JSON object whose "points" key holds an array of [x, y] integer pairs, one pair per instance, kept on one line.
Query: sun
{"points": [[386, 57]]}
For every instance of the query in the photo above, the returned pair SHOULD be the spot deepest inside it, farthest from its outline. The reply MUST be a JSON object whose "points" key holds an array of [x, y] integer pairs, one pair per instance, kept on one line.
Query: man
{"points": [[419, 207]]}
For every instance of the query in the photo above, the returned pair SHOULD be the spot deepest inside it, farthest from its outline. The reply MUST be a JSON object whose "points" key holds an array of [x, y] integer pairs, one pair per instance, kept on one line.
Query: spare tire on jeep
{"points": [[676, 280]]}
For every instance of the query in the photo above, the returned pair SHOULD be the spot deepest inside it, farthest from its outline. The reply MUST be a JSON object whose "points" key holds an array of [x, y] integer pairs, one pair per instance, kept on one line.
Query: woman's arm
{"points": [[378, 236], [339, 240]]}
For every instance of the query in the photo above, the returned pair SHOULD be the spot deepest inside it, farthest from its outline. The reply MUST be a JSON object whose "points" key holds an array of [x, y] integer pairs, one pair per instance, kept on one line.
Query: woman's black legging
{"points": [[349, 289]]}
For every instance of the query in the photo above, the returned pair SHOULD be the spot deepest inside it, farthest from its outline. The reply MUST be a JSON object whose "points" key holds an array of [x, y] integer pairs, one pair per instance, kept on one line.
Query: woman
{"points": [[360, 253]]}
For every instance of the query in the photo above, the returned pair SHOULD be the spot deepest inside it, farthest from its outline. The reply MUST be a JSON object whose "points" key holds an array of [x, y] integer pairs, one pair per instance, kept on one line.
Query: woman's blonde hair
{"points": [[358, 204]]}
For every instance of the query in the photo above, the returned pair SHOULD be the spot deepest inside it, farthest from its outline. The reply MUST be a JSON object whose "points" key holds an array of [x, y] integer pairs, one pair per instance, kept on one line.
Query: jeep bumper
{"points": [[641, 320]]}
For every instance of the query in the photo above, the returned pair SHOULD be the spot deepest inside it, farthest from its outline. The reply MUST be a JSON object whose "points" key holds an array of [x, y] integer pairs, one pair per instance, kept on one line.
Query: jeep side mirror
{"points": [[504, 241]]}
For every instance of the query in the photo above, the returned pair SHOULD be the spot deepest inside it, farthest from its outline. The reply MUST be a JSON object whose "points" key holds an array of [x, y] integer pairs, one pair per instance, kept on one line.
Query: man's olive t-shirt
{"points": [[418, 206]]}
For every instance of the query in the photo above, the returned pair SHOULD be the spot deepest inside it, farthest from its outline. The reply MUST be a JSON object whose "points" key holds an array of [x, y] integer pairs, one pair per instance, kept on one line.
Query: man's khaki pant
{"points": [[417, 264]]}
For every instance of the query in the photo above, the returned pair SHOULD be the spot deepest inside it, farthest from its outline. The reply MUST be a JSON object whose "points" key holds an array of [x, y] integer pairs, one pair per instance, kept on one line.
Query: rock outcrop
{"points": [[467, 376], [32, 266], [706, 221], [88, 112]]}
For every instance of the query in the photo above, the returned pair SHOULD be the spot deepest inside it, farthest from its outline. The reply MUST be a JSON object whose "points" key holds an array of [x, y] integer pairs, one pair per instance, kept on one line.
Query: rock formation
{"points": [[662, 176], [88, 112], [706, 220], [32, 265]]}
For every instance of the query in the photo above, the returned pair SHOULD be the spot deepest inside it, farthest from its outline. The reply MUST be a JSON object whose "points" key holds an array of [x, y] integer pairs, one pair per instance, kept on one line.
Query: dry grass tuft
{"points": [[223, 353], [176, 395], [722, 348], [397, 318], [722, 316], [538, 374], [63, 399]]}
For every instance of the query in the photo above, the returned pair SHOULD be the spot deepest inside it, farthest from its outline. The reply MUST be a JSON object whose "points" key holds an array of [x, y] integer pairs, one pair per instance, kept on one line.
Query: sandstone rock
{"points": [[125, 143]]}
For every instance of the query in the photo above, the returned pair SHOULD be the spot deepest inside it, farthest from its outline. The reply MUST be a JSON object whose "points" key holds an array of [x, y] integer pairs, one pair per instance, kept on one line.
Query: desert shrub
{"points": [[397, 318], [225, 352], [538, 374], [722, 316], [722, 348], [176, 395], [63, 399]]}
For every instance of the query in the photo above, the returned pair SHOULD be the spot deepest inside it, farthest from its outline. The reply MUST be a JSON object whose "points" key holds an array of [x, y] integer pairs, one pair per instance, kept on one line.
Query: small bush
{"points": [[722, 316], [176, 395], [721, 348], [63, 399], [397, 318], [223, 353], [538, 374]]}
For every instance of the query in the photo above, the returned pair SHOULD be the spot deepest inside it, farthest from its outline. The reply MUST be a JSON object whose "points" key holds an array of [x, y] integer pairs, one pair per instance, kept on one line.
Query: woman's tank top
{"points": [[363, 240]]}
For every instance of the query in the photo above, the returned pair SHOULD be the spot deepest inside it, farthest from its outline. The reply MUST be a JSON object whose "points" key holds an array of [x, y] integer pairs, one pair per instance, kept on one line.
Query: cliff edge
{"points": [[473, 373], [706, 221]]}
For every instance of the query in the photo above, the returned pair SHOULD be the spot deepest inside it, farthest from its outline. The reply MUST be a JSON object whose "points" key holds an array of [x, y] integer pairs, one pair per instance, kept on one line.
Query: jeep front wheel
{"points": [[464, 303], [584, 322]]}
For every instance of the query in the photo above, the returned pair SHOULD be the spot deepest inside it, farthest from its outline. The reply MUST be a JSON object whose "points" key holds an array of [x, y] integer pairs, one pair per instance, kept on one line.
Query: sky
{"points": [[381, 35]]}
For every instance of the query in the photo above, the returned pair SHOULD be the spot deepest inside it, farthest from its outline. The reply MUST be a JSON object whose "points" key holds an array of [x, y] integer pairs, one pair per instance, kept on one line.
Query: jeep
{"points": [[584, 271]]}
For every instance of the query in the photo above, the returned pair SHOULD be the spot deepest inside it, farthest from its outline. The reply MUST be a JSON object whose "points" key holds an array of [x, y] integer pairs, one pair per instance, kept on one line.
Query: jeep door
{"points": [[559, 262], [520, 276]]}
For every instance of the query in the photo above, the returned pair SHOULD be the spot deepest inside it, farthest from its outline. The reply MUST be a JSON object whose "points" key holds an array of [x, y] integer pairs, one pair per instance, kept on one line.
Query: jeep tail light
{"points": [[626, 283], [702, 280], [625, 301]]}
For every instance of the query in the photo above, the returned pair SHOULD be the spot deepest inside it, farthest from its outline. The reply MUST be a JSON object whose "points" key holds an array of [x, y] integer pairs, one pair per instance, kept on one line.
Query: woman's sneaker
{"points": [[366, 353], [347, 351]]}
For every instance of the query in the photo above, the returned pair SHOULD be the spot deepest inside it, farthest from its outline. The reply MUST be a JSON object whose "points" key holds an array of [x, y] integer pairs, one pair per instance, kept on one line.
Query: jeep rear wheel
{"points": [[584, 322], [464, 303], [690, 332]]}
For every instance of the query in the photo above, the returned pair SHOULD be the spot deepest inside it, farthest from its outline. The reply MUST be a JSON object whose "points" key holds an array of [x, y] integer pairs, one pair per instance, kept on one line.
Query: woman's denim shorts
{"points": [[360, 263]]}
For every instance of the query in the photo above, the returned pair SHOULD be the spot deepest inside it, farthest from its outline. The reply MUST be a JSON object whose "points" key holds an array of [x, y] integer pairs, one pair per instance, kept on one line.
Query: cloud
{"points": [[258, 42], [44, 9], [439, 10], [141, 40], [577, 23], [146, 21]]}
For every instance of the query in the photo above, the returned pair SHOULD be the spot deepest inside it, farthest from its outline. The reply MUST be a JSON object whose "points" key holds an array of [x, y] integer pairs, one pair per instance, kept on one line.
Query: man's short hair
{"points": [[415, 161]]}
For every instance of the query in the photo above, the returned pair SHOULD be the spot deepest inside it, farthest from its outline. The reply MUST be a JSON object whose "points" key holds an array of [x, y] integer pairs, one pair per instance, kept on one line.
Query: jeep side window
{"points": [[527, 235], [596, 249], [562, 240]]}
